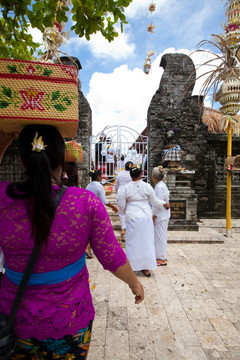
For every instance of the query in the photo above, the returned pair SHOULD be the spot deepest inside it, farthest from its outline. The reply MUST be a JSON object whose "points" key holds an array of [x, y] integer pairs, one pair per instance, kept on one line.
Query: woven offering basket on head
{"points": [[38, 93], [73, 152]]}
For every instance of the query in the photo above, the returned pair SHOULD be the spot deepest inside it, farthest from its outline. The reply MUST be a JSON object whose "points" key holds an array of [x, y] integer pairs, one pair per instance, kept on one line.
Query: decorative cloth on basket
{"points": [[172, 154], [38, 93]]}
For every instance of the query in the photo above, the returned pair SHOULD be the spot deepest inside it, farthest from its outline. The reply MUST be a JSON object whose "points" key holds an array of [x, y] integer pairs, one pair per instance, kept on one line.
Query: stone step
{"points": [[119, 237], [203, 235], [220, 225], [210, 231]]}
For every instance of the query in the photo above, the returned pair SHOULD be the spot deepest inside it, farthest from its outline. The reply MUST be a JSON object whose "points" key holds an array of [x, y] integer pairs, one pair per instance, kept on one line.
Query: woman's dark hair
{"points": [[135, 171], [128, 165], [94, 174], [39, 167], [71, 170]]}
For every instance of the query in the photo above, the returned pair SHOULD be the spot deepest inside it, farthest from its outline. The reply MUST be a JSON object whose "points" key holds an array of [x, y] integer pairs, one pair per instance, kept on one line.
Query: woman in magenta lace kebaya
{"points": [[55, 317]]}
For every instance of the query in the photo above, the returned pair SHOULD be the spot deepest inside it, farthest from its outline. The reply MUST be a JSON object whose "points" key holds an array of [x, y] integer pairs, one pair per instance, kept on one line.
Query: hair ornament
{"points": [[130, 165], [38, 144], [135, 167]]}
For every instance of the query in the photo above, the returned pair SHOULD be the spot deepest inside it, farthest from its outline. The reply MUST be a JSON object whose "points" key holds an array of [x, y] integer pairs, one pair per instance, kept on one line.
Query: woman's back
{"points": [[137, 191], [49, 309]]}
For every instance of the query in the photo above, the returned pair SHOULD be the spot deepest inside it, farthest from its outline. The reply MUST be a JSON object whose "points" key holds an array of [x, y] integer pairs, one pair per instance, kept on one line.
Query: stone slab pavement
{"points": [[191, 309]]}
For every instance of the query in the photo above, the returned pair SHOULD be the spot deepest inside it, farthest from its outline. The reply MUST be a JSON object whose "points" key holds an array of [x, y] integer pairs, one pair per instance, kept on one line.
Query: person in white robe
{"points": [[160, 217], [135, 200], [123, 178], [96, 187]]}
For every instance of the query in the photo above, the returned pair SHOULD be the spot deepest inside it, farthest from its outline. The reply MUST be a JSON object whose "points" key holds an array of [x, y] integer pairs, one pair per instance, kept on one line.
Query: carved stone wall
{"points": [[84, 128], [212, 202], [83, 135], [174, 108]]}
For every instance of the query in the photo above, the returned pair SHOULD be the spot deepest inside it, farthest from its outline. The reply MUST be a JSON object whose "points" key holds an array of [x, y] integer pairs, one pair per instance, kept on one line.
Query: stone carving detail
{"points": [[174, 110]]}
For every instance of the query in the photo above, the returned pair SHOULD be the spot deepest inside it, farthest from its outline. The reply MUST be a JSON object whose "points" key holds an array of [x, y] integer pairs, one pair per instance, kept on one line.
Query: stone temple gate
{"points": [[114, 146]]}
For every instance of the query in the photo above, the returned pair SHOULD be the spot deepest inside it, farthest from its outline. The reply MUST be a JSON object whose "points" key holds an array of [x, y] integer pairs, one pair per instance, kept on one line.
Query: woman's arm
{"points": [[113, 207], [102, 197], [121, 199], [5, 141], [154, 201], [126, 274], [160, 194]]}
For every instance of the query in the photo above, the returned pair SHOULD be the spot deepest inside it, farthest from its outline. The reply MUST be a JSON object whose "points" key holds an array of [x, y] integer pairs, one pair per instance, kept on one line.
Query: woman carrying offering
{"points": [[135, 200], [55, 317]]}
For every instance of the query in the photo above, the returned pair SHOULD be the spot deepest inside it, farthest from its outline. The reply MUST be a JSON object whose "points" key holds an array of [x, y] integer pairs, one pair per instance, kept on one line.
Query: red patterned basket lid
{"points": [[38, 93]]}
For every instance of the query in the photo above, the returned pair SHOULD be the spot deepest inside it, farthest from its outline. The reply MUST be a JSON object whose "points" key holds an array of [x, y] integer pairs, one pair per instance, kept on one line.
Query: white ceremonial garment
{"points": [[161, 222], [134, 200], [98, 190], [123, 178]]}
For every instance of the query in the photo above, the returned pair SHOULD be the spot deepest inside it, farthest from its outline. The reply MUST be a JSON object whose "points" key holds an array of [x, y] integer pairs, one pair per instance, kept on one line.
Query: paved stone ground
{"points": [[191, 309]]}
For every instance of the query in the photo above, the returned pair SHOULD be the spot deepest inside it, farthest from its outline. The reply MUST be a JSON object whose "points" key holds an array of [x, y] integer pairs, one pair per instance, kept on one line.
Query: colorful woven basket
{"points": [[73, 152], [38, 93], [108, 189]]}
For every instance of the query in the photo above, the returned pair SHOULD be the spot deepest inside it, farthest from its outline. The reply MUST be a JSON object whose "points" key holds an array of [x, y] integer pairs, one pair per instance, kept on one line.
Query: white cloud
{"points": [[123, 96], [36, 34], [119, 49]]}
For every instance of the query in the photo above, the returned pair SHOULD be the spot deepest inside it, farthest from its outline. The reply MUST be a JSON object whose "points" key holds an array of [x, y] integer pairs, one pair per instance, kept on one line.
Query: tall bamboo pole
{"points": [[229, 185]]}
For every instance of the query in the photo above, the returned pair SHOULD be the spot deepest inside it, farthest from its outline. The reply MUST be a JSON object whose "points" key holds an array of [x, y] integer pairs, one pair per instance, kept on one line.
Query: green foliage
{"points": [[89, 16]]}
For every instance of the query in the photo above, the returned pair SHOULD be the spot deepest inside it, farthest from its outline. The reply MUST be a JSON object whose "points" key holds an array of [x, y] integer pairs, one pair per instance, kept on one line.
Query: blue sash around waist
{"points": [[48, 278]]}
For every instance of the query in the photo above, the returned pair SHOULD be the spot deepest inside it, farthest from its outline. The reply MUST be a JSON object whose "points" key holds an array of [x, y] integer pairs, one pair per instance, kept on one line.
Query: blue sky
{"points": [[112, 76]]}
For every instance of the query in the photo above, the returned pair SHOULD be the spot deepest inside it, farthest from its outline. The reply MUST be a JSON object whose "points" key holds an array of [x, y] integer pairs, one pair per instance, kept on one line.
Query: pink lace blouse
{"points": [[64, 308]]}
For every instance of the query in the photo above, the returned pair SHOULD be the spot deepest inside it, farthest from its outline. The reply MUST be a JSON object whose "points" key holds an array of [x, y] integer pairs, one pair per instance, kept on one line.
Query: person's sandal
{"points": [[89, 255], [148, 273], [159, 263]]}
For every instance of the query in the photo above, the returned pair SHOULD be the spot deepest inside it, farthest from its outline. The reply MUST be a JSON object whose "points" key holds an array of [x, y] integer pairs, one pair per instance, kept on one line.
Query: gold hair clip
{"points": [[38, 144]]}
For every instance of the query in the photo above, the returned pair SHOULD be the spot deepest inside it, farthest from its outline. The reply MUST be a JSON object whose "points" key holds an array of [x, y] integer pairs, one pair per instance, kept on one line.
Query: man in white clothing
{"points": [[122, 179]]}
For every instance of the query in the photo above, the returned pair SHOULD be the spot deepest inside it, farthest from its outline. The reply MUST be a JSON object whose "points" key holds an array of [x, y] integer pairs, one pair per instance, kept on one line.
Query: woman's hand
{"points": [[138, 291], [126, 274], [115, 208], [154, 219], [167, 206], [5, 140]]}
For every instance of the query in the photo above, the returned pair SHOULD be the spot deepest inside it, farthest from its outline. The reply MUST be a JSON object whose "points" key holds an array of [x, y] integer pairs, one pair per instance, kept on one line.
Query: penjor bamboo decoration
{"points": [[223, 81]]}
